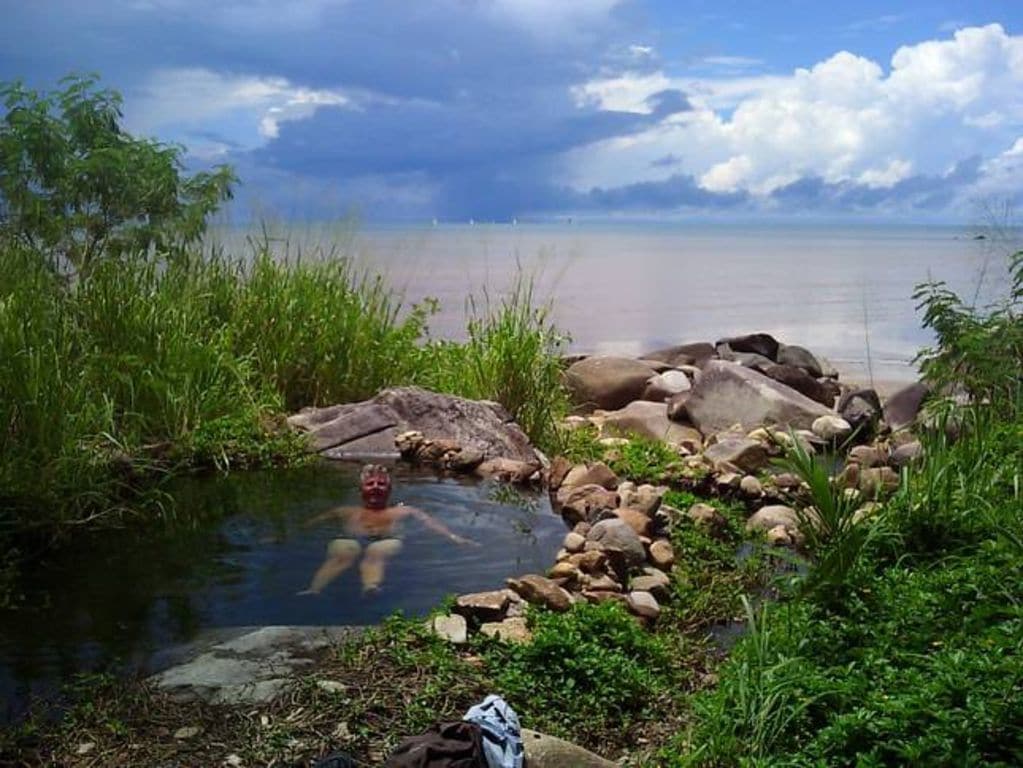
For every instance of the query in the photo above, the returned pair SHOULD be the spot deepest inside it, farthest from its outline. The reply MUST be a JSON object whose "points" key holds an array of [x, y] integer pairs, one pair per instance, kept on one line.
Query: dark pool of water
{"points": [[238, 557]]}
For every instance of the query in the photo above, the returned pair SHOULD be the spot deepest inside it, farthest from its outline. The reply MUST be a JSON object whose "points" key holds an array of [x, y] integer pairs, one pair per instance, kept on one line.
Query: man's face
{"points": [[375, 490]]}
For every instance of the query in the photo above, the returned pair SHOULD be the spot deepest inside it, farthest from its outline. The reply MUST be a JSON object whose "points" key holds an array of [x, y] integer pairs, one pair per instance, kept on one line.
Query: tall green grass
{"points": [[150, 363]]}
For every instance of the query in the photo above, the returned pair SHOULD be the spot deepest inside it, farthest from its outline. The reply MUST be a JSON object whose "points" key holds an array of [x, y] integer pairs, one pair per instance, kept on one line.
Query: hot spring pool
{"points": [[239, 556]]}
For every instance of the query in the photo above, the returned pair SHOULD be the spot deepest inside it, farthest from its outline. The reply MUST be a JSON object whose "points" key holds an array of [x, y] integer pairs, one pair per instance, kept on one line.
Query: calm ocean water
{"points": [[844, 292]]}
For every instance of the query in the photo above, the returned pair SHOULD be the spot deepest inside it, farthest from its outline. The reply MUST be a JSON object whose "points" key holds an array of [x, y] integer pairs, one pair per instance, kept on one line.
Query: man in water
{"points": [[375, 523]]}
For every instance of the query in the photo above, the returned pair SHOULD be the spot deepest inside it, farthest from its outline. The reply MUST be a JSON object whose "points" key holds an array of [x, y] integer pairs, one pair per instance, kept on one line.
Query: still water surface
{"points": [[845, 293], [241, 559]]}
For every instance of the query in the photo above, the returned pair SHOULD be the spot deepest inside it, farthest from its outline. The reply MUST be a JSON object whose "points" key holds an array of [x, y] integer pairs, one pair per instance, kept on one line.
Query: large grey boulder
{"points": [[649, 420], [728, 394], [902, 408], [802, 382], [607, 382], [862, 409], [348, 431]]}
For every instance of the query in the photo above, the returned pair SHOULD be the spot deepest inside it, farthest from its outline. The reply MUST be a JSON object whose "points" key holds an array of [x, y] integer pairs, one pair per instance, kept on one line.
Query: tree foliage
{"points": [[74, 185]]}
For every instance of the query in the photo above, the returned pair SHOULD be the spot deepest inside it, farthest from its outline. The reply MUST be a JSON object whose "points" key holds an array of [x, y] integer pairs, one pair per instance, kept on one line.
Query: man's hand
{"points": [[462, 540]]}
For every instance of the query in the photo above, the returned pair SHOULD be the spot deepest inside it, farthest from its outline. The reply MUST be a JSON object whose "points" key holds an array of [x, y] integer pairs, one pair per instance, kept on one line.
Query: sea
{"points": [[846, 292]]}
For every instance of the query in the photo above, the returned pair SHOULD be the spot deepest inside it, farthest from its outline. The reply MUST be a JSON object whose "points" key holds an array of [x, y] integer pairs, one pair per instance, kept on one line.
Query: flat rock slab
{"points": [[367, 429], [543, 751], [728, 393], [253, 667]]}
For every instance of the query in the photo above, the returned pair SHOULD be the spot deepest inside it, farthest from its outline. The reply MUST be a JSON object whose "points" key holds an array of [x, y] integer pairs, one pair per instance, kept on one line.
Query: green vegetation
{"points": [[902, 644]]}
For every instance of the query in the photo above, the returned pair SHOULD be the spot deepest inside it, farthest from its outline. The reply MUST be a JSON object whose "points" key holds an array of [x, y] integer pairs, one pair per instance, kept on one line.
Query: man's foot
{"points": [[370, 590], [308, 592]]}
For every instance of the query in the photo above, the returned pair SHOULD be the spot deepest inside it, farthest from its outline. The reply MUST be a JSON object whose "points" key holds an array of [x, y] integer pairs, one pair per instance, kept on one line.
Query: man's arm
{"points": [[436, 526]]}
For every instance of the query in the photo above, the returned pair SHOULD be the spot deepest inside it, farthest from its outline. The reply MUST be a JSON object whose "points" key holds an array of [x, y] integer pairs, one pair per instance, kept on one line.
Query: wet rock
{"points": [[590, 473], [636, 520], [831, 428], [799, 357], [802, 382], [649, 420], [508, 470], [746, 455], [485, 606], [607, 382], [564, 573], [464, 460], [540, 590], [617, 535], [643, 604], [558, 471], [662, 554], [513, 630], [903, 407], [771, 516], [862, 409], [754, 343], [696, 354], [907, 454], [583, 504], [451, 628], [728, 393]]}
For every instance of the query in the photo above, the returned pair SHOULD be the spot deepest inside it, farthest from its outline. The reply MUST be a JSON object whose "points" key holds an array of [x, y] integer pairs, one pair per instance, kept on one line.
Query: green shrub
{"points": [[585, 671]]}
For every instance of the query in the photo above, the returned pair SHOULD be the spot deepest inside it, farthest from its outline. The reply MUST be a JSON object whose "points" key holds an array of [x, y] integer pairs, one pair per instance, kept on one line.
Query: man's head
{"points": [[375, 485]]}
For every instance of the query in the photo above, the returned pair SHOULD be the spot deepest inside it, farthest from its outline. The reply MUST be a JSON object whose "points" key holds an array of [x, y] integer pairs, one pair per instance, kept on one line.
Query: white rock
{"points": [[831, 427]]}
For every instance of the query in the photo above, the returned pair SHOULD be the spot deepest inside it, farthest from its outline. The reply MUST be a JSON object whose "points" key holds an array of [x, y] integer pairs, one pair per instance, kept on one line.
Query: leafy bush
{"points": [[76, 187], [585, 671]]}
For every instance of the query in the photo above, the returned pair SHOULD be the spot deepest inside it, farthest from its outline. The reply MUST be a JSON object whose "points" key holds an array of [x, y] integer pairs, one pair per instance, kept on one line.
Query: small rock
{"points": [[513, 630], [751, 486], [658, 585], [708, 519], [747, 455], [771, 516], [878, 480], [592, 561], [662, 554], [452, 628], [582, 528], [331, 686], [485, 606], [507, 470], [603, 596], [583, 503], [187, 732], [603, 583], [646, 498], [831, 428], [862, 409], [779, 536], [574, 542], [617, 534], [786, 481], [663, 385], [643, 604], [233, 761], [866, 456], [465, 459], [636, 520], [727, 481], [564, 570], [541, 590], [593, 473], [85, 748], [907, 454]]}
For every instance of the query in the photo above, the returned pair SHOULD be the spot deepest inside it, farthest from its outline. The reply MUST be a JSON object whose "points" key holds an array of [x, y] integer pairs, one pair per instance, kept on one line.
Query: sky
{"points": [[496, 109]]}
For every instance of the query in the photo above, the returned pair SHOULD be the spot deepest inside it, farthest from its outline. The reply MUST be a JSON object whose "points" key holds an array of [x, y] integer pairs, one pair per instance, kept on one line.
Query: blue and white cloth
{"points": [[501, 732]]}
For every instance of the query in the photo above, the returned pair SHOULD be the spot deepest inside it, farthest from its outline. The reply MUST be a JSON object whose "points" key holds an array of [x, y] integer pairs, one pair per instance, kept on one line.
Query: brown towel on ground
{"points": [[448, 745]]}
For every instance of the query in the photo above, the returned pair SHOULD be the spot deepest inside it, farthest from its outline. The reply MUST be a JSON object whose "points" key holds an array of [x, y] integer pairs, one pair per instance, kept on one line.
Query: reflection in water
{"points": [[238, 557]]}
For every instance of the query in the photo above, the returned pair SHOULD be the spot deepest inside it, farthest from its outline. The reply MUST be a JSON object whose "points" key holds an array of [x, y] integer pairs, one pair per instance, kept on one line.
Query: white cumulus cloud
{"points": [[846, 119]]}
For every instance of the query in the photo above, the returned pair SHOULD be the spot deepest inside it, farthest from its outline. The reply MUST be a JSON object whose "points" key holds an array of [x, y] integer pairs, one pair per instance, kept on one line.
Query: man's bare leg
{"points": [[341, 553], [375, 562]]}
